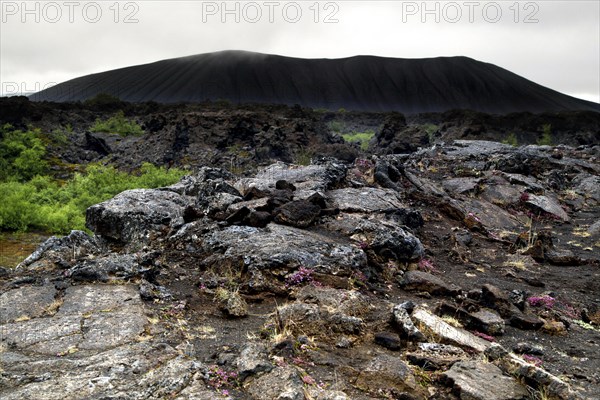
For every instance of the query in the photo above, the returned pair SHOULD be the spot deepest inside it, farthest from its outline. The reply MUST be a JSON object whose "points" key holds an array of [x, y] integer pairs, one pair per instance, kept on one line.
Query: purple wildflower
{"points": [[309, 380], [303, 275], [533, 360], [542, 301], [485, 336]]}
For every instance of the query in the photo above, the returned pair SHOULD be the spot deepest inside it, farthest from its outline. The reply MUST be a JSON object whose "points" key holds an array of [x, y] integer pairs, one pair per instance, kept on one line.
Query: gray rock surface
{"points": [[435, 355], [402, 319], [253, 359], [135, 215], [549, 205], [63, 250], [283, 383], [475, 380], [447, 333], [365, 199], [26, 302], [279, 246], [321, 268], [91, 348], [386, 370]]}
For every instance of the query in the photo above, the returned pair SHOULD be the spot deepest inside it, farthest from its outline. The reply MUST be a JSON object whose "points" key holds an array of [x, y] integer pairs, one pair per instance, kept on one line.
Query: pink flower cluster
{"points": [[426, 265], [473, 216], [485, 336], [533, 360], [542, 301], [309, 380], [303, 275], [218, 378]]}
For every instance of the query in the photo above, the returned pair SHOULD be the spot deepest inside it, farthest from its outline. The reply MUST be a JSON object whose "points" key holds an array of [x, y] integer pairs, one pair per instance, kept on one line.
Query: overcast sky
{"points": [[553, 43]]}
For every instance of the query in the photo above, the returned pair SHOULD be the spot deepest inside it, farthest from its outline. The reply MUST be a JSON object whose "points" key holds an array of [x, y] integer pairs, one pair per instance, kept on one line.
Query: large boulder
{"points": [[277, 248], [137, 215]]}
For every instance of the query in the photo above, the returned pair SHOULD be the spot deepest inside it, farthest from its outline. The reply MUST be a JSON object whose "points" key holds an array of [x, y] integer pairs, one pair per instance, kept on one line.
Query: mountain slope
{"points": [[366, 83]]}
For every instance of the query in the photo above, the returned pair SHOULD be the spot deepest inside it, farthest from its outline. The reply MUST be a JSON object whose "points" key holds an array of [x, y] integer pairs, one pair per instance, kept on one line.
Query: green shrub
{"points": [[119, 125], [430, 129], [42, 203], [16, 209], [511, 140], [362, 138], [61, 136], [21, 154], [303, 156], [546, 139]]}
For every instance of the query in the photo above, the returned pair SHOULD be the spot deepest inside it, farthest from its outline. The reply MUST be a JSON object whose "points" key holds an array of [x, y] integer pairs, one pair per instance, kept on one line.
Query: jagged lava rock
{"points": [[135, 214]]}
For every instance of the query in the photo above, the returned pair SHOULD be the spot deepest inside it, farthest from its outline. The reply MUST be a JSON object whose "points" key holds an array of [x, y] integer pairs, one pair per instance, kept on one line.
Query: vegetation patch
{"points": [[511, 139], [546, 139], [33, 200], [362, 138], [21, 154], [119, 125], [43, 203]]}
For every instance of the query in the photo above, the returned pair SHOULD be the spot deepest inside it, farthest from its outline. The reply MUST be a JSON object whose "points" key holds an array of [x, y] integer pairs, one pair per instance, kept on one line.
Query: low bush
{"points": [[546, 139], [119, 125], [21, 154], [42, 203], [511, 139]]}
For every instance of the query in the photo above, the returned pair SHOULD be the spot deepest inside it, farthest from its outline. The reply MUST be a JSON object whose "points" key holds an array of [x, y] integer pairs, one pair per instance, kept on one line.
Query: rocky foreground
{"points": [[462, 271]]}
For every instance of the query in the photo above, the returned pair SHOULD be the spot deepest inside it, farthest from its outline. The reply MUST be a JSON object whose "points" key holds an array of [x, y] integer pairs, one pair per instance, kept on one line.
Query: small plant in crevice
{"points": [[303, 156], [358, 279], [336, 126], [431, 130], [363, 170], [586, 325], [174, 319], [427, 265], [532, 360], [221, 380], [300, 277], [484, 336], [308, 380], [424, 376]]}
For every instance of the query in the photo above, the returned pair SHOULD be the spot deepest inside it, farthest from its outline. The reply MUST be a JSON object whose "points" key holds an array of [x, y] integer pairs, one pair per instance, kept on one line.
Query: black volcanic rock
{"points": [[366, 83]]}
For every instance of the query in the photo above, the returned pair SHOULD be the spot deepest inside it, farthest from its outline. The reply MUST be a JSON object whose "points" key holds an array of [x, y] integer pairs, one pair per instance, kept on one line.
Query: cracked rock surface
{"points": [[455, 272]]}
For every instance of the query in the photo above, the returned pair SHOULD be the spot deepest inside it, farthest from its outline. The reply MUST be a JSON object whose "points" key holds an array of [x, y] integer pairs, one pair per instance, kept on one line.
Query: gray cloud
{"points": [[560, 51]]}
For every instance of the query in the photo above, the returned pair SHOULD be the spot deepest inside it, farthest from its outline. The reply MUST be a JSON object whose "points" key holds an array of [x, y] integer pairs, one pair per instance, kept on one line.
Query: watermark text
{"points": [[53, 12]]}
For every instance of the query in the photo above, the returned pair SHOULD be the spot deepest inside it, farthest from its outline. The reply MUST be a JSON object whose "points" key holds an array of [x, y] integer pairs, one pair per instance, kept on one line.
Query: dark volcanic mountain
{"points": [[365, 83]]}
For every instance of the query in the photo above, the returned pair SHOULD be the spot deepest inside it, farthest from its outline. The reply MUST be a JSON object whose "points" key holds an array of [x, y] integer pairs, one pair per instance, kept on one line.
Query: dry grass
{"points": [[53, 307], [450, 320], [581, 231], [516, 264], [206, 332]]}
